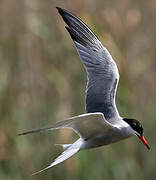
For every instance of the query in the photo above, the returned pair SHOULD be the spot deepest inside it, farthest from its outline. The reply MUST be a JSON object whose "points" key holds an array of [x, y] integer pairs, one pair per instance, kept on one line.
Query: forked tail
{"points": [[73, 149], [64, 146]]}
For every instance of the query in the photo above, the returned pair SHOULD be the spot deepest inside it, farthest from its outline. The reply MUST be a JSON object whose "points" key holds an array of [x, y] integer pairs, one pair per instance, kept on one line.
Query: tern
{"points": [[101, 124]]}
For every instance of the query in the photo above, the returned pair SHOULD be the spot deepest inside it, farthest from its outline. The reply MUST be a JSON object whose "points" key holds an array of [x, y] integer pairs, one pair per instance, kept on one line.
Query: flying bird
{"points": [[101, 124]]}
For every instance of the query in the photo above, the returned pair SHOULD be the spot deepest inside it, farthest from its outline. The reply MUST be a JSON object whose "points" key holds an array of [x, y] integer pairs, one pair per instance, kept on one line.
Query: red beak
{"points": [[144, 141]]}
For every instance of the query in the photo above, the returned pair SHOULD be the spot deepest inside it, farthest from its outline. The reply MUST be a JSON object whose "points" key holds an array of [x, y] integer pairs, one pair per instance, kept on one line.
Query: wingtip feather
{"points": [[58, 8], [61, 11]]}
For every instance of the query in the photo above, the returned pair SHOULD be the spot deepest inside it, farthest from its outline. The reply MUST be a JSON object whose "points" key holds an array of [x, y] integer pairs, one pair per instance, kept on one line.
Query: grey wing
{"points": [[86, 125], [101, 69]]}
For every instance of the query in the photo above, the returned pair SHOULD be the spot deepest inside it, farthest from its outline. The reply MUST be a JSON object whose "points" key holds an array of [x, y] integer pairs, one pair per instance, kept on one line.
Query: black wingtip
{"points": [[77, 29], [63, 13], [60, 10], [73, 36]]}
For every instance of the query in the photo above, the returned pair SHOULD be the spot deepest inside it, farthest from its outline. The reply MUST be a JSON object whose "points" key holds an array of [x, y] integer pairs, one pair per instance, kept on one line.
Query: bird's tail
{"points": [[70, 151], [64, 146]]}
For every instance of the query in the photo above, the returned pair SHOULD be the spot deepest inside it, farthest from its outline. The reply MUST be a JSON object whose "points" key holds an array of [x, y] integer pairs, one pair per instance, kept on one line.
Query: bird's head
{"points": [[138, 130]]}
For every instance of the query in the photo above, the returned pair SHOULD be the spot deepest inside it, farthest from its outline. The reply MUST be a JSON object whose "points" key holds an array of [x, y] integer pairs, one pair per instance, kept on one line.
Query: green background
{"points": [[43, 81]]}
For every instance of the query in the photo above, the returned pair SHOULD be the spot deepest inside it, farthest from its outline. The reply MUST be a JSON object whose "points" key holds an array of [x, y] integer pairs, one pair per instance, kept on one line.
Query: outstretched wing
{"points": [[86, 125], [101, 69]]}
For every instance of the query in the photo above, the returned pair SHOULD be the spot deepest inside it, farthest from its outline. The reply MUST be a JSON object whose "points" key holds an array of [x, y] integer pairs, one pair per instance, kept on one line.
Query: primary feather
{"points": [[84, 125], [101, 69]]}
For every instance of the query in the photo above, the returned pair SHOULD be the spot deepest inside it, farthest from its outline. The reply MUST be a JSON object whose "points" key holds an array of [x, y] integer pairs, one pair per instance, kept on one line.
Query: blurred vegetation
{"points": [[42, 81]]}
